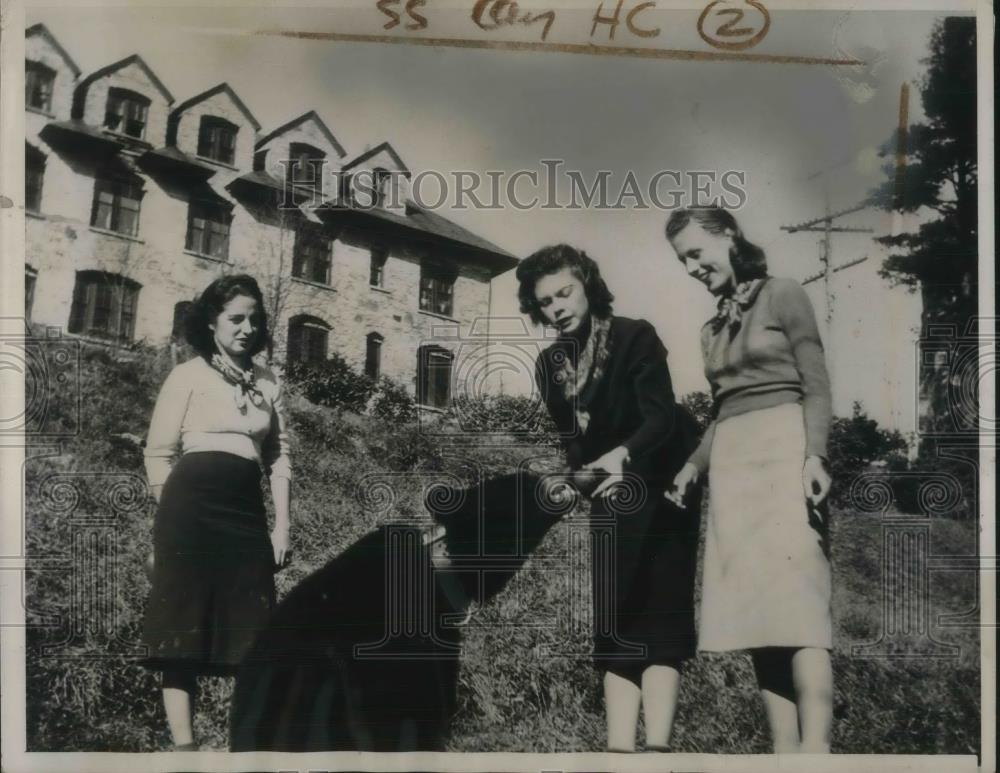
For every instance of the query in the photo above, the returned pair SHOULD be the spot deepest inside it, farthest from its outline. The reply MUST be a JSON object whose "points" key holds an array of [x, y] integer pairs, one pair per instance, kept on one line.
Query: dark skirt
{"points": [[213, 576], [644, 562]]}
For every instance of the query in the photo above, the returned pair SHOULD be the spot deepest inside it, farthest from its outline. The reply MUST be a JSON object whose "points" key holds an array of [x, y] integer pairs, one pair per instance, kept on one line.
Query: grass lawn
{"points": [[526, 683]]}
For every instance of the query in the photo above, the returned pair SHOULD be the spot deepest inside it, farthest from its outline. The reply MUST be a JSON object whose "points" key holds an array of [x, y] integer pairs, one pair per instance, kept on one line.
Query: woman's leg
{"points": [[660, 686], [621, 701], [180, 689], [812, 674], [774, 677]]}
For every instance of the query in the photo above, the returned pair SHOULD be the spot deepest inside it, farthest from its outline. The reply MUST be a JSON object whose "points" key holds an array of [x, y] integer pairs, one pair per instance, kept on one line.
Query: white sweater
{"points": [[196, 411]]}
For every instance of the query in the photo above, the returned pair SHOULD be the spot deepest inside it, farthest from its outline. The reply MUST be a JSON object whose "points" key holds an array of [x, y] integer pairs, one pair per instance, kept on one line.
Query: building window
{"points": [[376, 269], [437, 290], [217, 139], [306, 167], [104, 305], [38, 81], [126, 113], [434, 376], [181, 310], [208, 228], [373, 355], [30, 275], [311, 258], [34, 174], [307, 340], [116, 204], [381, 181]]}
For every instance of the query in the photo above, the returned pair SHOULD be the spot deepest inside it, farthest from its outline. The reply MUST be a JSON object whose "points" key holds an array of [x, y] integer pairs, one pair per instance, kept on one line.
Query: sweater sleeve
{"points": [[164, 439], [791, 306], [276, 447], [653, 391]]}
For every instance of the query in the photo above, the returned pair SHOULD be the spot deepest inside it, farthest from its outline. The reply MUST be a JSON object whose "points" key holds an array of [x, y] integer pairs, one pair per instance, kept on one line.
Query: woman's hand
{"points": [[280, 544], [684, 481], [816, 480], [613, 463]]}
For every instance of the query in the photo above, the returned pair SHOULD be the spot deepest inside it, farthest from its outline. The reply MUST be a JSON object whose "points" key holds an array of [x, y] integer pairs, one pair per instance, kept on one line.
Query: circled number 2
{"points": [[724, 26]]}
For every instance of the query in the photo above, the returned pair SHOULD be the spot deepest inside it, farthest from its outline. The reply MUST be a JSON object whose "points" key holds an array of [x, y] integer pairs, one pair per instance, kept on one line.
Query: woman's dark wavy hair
{"points": [[549, 260], [749, 261], [210, 303]]}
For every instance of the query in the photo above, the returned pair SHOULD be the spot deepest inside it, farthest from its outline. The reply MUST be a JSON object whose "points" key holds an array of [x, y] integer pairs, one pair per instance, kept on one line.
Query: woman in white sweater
{"points": [[218, 424]]}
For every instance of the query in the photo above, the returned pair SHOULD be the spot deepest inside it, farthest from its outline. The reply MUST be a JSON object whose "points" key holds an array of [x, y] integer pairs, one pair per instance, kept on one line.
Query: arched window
{"points": [[217, 139], [38, 81], [181, 310], [434, 376], [307, 339], [104, 305], [127, 113], [373, 355], [34, 175]]}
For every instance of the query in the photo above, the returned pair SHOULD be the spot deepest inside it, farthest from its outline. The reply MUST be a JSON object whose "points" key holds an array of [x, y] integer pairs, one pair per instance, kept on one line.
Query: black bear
{"points": [[364, 653]]}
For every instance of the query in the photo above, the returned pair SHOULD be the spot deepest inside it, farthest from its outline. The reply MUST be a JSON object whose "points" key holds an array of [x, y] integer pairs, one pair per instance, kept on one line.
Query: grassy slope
{"points": [[525, 684]]}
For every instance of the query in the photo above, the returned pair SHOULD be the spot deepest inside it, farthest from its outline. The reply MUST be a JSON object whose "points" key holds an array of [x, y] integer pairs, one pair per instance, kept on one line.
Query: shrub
{"points": [[508, 414], [854, 444], [332, 383], [699, 405], [391, 402]]}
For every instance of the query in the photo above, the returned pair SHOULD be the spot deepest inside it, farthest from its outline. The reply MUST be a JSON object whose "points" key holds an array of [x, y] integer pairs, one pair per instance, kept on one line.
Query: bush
{"points": [[854, 444], [504, 414], [332, 383], [699, 405], [392, 403]]}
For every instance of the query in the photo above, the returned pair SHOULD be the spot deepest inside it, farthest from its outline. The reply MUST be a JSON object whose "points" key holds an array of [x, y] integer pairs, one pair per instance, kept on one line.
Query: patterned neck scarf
{"points": [[243, 381], [732, 306], [588, 369]]}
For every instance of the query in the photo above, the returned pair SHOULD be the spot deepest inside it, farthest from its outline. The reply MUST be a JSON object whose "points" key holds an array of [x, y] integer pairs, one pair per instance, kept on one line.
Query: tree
{"points": [[941, 175]]}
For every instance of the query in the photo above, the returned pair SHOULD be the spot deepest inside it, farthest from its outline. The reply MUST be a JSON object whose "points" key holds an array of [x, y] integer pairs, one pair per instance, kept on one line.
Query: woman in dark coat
{"points": [[606, 384]]}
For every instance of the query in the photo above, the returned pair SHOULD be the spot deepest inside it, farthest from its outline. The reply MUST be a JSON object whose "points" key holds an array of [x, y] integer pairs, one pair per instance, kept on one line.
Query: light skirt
{"points": [[766, 575]]}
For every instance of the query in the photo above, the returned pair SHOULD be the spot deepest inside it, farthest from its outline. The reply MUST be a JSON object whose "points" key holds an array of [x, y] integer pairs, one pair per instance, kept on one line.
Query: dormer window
{"points": [[306, 167], [127, 113], [217, 139], [381, 179], [38, 81]]}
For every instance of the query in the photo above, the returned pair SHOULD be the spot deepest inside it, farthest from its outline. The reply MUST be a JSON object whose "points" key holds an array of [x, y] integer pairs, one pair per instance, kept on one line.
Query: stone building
{"points": [[135, 202]]}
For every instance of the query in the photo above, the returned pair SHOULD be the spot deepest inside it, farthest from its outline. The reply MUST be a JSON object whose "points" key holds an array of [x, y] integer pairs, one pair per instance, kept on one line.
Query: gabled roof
{"points": [[221, 88], [300, 120], [115, 66], [374, 152], [41, 29]]}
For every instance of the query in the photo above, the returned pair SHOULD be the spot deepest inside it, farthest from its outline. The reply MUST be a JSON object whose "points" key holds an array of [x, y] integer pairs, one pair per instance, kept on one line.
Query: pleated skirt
{"points": [[766, 574], [213, 575]]}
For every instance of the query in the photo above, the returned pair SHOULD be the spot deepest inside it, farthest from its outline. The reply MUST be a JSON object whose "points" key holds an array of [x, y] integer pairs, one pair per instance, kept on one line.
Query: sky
{"points": [[802, 134]]}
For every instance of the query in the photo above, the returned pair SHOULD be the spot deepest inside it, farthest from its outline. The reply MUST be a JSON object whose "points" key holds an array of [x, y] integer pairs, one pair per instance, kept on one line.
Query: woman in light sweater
{"points": [[766, 575], [222, 416]]}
